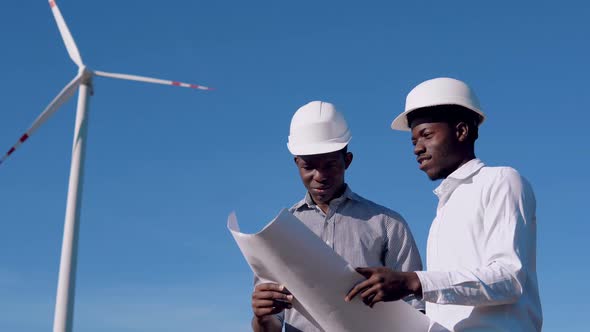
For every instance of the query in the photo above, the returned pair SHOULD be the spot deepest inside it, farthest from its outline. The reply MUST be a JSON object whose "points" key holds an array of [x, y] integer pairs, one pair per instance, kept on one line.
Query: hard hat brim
{"points": [[315, 148], [401, 121]]}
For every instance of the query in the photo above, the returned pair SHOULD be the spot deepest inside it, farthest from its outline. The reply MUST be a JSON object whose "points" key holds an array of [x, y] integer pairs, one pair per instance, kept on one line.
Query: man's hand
{"points": [[269, 299], [384, 284]]}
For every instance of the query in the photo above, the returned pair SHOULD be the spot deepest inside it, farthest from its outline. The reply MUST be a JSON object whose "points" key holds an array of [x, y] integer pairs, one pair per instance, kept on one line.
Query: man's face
{"points": [[435, 147], [323, 174]]}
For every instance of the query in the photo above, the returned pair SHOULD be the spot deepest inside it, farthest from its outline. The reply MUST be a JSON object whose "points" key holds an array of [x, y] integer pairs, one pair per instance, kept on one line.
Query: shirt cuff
{"points": [[429, 289]]}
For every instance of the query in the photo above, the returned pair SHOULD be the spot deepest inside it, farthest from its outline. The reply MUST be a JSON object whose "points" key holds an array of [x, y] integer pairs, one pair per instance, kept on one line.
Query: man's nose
{"points": [[419, 149], [320, 175]]}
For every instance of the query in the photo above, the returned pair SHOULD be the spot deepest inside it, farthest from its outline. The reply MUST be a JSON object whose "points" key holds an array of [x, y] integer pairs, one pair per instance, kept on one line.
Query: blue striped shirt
{"points": [[363, 233]]}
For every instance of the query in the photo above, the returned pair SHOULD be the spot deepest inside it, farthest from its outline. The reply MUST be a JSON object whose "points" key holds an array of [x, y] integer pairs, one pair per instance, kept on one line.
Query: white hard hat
{"points": [[436, 92], [316, 128]]}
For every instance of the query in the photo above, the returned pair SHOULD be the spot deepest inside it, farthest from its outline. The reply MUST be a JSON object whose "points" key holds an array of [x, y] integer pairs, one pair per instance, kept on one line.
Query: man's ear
{"points": [[462, 131], [348, 159], [295, 160]]}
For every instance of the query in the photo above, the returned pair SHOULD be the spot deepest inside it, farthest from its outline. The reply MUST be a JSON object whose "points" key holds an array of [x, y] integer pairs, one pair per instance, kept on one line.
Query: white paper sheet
{"points": [[290, 254]]}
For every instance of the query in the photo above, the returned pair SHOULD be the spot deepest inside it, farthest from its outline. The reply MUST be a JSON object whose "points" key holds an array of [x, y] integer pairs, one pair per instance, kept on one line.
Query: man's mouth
{"points": [[321, 190], [422, 161]]}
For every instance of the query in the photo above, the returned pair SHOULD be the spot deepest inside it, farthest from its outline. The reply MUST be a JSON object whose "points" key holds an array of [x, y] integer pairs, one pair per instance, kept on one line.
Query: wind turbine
{"points": [[64, 303]]}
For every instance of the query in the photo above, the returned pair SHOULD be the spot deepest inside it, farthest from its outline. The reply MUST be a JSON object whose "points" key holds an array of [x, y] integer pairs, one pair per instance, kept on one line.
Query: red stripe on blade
{"points": [[24, 138], [51, 3], [10, 151], [176, 83]]}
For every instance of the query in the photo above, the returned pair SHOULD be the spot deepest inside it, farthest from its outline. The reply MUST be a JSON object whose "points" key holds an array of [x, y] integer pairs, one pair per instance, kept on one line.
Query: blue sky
{"points": [[165, 166]]}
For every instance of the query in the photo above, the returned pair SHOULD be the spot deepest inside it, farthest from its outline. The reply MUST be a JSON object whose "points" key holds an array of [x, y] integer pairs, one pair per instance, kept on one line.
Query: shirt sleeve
{"points": [[401, 253], [508, 241]]}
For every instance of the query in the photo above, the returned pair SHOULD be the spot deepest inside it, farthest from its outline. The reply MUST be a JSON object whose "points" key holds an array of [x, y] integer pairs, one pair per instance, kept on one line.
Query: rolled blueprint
{"points": [[286, 252]]}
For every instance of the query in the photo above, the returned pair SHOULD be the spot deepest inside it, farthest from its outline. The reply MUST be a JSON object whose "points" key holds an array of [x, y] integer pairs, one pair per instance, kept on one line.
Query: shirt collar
{"points": [[347, 194], [467, 170], [461, 174]]}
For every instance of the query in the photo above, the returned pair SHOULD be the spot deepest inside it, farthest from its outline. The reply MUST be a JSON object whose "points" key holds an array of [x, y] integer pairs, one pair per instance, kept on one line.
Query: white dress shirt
{"points": [[481, 252]]}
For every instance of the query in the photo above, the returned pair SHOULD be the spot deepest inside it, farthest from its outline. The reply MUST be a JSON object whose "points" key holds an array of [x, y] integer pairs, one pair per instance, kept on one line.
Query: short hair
{"points": [[344, 150], [451, 114]]}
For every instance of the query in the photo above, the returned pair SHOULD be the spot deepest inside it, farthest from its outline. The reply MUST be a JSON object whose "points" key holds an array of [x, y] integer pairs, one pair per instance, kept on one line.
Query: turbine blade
{"points": [[150, 80], [65, 34], [66, 93]]}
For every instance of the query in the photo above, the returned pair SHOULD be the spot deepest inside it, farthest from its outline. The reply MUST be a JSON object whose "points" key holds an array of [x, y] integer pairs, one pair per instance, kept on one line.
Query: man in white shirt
{"points": [[481, 251]]}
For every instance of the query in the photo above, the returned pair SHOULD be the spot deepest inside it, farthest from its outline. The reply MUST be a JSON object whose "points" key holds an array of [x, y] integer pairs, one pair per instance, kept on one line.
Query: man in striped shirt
{"points": [[362, 232]]}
